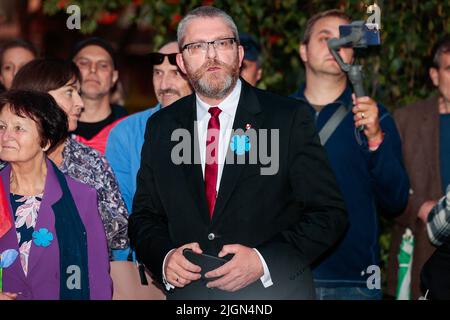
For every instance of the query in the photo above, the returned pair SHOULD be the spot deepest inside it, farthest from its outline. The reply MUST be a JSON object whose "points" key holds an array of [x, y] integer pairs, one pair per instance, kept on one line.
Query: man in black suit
{"points": [[274, 218]]}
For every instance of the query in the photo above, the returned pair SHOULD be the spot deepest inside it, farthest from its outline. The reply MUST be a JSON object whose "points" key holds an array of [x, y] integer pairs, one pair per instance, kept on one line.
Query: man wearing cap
{"points": [[251, 70], [96, 60], [123, 148]]}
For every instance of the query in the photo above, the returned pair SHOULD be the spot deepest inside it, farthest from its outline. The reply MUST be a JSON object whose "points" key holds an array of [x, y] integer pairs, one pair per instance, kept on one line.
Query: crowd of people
{"points": [[94, 204]]}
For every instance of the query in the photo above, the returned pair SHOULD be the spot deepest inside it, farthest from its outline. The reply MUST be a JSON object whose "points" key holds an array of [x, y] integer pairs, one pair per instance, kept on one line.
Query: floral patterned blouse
{"points": [[25, 210], [88, 166]]}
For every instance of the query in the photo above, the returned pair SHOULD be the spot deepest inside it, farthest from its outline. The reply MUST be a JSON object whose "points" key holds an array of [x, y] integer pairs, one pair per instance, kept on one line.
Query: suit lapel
{"points": [[248, 112], [427, 125], [431, 120], [193, 172], [46, 216]]}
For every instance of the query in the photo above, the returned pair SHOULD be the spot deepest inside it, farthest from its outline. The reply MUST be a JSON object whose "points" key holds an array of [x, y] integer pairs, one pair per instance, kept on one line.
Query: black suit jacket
{"points": [[291, 217]]}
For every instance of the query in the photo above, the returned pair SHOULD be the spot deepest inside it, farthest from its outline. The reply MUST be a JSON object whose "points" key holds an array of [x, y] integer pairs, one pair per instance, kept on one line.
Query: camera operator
{"points": [[368, 164]]}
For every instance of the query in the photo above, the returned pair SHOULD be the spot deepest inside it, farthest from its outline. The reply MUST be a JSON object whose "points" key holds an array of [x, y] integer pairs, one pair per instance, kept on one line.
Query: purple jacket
{"points": [[42, 281]]}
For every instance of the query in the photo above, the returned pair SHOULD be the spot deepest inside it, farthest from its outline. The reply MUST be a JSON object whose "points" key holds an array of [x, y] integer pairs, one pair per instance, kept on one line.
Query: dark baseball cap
{"points": [[252, 49], [95, 41]]}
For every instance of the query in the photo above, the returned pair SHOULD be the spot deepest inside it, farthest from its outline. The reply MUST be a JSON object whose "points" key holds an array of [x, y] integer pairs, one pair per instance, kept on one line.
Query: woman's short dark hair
{"points": [[17, 43], [51, 120], [44, 75]]}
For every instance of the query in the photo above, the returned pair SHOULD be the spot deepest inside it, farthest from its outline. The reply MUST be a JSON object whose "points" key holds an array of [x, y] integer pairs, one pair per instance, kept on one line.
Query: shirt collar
{"points": [[228, 106]]}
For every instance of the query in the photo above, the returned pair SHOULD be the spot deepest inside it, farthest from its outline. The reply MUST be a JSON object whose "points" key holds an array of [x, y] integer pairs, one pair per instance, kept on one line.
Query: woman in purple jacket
{"points": [[57, 246]]}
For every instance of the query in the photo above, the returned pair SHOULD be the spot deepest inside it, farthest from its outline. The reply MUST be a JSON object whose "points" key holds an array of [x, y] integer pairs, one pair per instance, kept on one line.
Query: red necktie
{"points": [[211, 159]]}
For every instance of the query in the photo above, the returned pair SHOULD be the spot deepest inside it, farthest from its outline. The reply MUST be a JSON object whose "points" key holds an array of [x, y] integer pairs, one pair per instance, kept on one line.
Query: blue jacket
{"points": [[123, 151], [370, 182]]}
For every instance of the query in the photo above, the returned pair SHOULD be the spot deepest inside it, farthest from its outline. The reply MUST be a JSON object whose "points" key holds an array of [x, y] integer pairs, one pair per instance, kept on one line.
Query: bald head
{"points": [[171, 47], [168, 81]]}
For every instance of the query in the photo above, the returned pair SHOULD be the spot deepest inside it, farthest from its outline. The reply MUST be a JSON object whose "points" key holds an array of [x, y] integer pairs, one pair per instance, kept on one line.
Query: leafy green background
{"points": [[395, 72]]}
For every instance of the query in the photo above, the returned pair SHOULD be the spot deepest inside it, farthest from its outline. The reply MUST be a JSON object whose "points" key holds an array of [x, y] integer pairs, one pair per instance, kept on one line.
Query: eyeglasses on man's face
{"points": [[195, 48], [157, 58]]}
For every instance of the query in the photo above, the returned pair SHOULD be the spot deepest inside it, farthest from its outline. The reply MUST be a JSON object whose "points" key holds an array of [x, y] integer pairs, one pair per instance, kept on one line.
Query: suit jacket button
{"points": [[211, 236]]}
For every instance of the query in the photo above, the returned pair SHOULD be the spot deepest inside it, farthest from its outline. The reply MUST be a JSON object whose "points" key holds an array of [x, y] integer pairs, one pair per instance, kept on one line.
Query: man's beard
{"points": [[214, 85]]}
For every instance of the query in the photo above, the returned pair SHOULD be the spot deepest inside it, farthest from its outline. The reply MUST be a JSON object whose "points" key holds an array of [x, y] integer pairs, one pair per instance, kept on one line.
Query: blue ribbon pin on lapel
{"points": [[240, 144], [42, 237]]}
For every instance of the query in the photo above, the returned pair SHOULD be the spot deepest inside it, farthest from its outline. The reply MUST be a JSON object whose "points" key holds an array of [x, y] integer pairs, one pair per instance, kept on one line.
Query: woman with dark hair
{"points": [[57, 248], [61, 79], [14, 54]]}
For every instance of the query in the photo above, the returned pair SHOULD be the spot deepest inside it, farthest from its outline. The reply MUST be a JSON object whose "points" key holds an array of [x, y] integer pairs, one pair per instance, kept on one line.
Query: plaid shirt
{"points": [[438, 225]]}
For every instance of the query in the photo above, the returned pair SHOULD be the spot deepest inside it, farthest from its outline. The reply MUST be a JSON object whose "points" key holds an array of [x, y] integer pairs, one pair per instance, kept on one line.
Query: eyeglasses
{"points": [[202, 46], [157, 58]]}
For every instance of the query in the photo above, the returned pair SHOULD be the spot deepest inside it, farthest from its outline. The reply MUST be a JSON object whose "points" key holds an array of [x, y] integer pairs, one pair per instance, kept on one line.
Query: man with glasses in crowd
{"points": [[274, 225]]}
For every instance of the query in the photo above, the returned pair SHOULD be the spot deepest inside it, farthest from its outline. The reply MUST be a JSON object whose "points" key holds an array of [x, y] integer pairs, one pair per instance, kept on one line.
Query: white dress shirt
{"points": [[226, 118]]}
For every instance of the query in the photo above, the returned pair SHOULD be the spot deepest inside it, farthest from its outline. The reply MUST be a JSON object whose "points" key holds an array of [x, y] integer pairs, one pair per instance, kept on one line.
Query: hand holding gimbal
{"points": [[355, 35]]}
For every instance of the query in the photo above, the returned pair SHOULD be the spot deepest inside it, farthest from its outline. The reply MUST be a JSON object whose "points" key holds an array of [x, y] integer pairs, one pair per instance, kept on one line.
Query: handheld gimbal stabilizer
{"points": [[355, 35]]}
